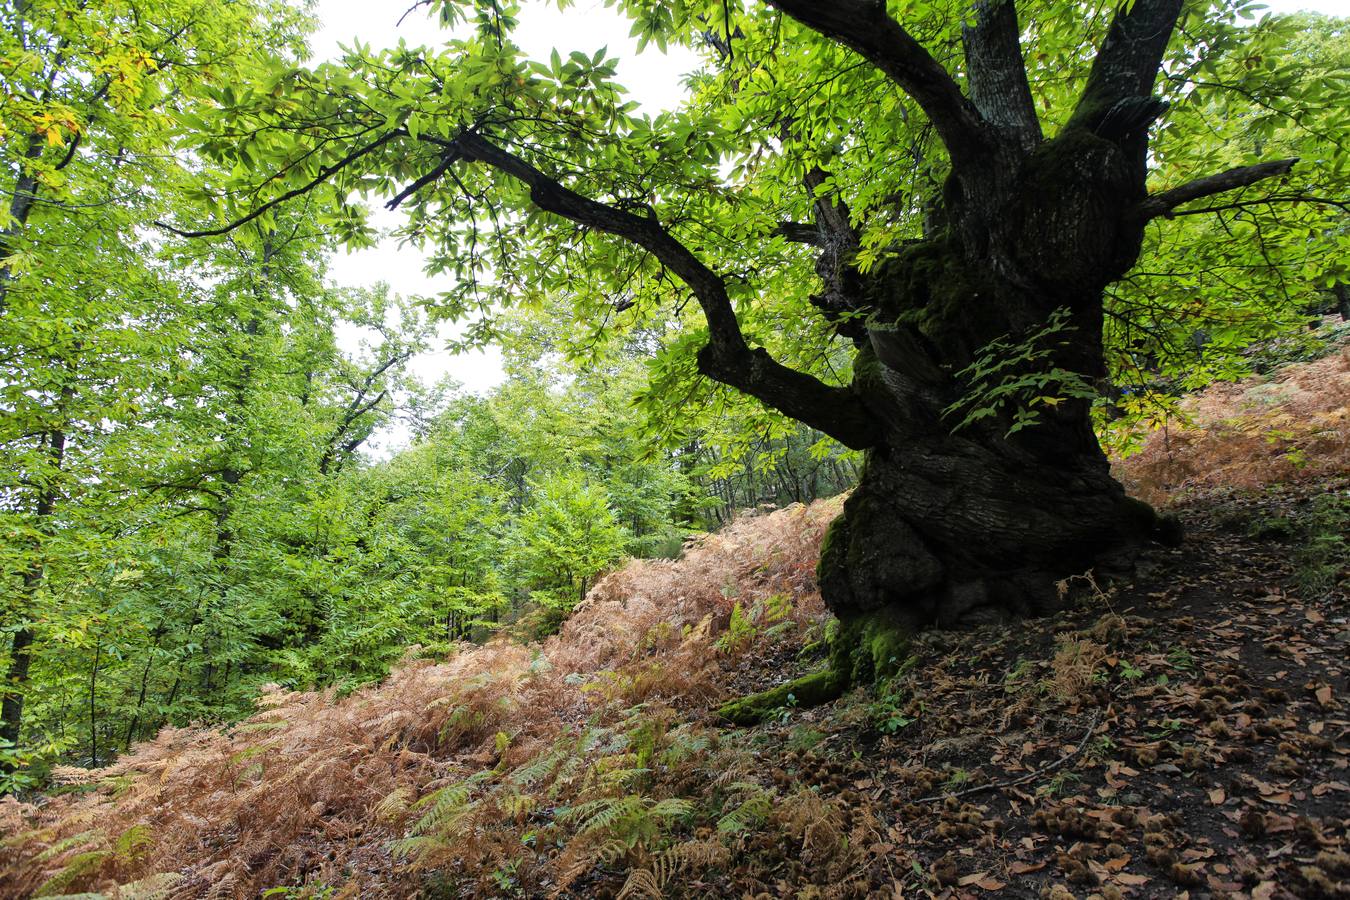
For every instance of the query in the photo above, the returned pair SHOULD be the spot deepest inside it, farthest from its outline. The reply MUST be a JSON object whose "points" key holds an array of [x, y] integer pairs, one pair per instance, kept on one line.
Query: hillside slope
{"points": [[1182, 733]]}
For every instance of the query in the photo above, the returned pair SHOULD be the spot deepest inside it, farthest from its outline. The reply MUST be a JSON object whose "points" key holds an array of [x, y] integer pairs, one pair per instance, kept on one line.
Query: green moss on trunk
{"points": [[864, 649], [871, 647]]}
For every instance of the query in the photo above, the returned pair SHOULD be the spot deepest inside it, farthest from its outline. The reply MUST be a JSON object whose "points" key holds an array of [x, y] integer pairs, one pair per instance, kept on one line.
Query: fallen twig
{"points": [[1030, 776]]}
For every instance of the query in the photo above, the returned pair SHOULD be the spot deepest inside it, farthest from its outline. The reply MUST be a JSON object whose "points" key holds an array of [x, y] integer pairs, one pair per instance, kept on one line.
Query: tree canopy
{"points": [[537, 183]]}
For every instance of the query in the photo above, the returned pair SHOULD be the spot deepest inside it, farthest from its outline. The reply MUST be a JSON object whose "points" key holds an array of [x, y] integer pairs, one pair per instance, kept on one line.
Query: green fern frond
{"points": [[61, 846], [416, 847], [603, 814], [514, 803], [690, 854], [540, 766], [747, 814], [682, 745], [82, 864], [393, 806], [673, 808], [622, 777], [155, 887], [132, 844], [447, 805]]}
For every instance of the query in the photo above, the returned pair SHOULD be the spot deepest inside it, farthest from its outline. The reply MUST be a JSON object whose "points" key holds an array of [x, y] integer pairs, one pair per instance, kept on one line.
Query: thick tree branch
{"points": [[836, 264], [800, 233], [865, 26], [1268, 200], [727, 358], [1164, 202], [1119, 90], [338, 448], [997, 75]]}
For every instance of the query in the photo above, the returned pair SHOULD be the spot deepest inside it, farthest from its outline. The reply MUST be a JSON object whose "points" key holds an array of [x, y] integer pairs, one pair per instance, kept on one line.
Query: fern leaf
{"points": [[82, 864], [641, 883], [673, 808]]}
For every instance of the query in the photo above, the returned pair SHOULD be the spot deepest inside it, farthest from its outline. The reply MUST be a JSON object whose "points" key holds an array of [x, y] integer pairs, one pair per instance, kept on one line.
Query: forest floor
{"points": [[1186, 731], [1181, 734]]}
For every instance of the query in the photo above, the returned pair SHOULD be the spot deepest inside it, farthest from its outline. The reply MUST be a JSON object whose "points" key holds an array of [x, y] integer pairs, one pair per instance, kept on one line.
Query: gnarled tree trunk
{"points": [[951, 524], [961, 524]]}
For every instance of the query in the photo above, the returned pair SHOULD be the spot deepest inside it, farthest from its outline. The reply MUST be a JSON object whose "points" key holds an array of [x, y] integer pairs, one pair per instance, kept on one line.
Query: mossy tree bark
{"points": [[951, 525]]}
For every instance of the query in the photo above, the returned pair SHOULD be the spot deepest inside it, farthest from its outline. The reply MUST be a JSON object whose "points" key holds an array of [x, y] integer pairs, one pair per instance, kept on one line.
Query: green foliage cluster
{"points": [[1020, 377], [1238, 270]]}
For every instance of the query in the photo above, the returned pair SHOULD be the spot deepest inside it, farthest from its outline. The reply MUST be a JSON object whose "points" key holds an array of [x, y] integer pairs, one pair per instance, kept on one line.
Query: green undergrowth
{"points": [[1317, 533]]}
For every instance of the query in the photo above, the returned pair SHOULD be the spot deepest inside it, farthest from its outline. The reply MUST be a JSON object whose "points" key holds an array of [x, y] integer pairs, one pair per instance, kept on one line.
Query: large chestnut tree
{"points": [[916, 227]]}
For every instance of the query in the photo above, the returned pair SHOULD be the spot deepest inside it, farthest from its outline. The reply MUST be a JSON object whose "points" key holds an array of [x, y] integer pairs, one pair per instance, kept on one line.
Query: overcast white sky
{"points": [[652, 78]]}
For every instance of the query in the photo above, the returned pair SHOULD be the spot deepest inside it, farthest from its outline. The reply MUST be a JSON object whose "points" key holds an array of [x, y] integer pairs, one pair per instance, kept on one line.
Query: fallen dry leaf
{"points": [[1022, 868]]}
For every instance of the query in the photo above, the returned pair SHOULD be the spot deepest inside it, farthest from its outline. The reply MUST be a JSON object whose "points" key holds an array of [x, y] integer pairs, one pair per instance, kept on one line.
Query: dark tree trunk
{"points": [[950, 526], [15, 685], [1341, 291], [949, 530]]}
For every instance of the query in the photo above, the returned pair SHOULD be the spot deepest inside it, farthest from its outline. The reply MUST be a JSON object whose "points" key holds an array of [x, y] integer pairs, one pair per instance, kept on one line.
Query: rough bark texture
{"points": [[949, 527]]}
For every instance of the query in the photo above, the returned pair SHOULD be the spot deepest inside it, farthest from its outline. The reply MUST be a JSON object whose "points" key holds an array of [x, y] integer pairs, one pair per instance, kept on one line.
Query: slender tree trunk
{"points": [[233, 471], [145, 682], [93, 706], [173, 690], [16, 679], [21, 653], [21, 203]]}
